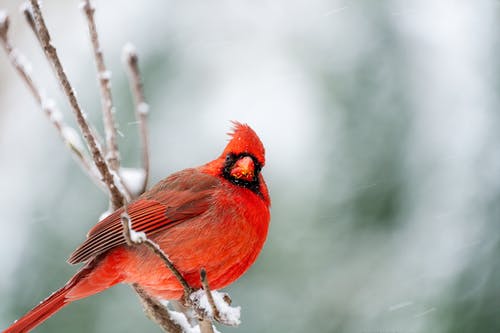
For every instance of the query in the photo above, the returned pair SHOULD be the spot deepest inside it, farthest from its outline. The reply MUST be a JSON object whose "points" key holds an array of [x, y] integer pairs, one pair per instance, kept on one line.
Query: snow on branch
{"points": [[104, 77], [216, 305], [201, 306], [208, 305], [117, 197], [47, 105], [137, 238], [131, 60]]}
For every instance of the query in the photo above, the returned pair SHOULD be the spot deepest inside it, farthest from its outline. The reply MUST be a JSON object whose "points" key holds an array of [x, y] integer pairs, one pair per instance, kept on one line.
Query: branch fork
{"points": [[203, 301], [102, 164]]}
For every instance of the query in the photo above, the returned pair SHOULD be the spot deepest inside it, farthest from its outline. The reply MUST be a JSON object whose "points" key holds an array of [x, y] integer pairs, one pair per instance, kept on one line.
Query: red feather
{"points": [[201, 218]]}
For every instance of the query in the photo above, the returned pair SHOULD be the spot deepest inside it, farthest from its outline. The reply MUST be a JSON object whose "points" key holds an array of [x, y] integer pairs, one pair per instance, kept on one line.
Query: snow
{"points": [[25, 6], [399, 306], [182, 321], [129, 51], [3, 17], [133, 179], [425, 313], [20, 60], [48, 103], [105, 214], [49, 106], [83, 5], [137, 236], [143, 108], [55, 115], [228, 314], [105, 75], [72, 137], [118, 180]]}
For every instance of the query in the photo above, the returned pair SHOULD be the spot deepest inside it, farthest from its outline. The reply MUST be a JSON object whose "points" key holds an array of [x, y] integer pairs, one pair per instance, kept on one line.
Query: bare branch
{"points": [[130, 58], [153, 308], [109, 167], [117, 197], [67, 133], [206, 325], [210, 297], [214, 305], [28, 15], [137, 238], [17, 60], [157, 311], [104, 77]]}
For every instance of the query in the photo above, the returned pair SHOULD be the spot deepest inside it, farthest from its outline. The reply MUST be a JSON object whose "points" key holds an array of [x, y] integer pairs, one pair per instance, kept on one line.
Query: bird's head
{"points": [[244, 156], [244, 141], [242, 160]]}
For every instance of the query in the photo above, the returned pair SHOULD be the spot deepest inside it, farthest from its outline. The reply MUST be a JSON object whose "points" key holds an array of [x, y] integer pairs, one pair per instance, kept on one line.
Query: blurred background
{"points": [[380, 120]]}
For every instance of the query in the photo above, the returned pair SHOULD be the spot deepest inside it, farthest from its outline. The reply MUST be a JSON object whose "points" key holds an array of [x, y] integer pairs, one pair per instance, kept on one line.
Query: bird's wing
{"points": [[168, 204]]}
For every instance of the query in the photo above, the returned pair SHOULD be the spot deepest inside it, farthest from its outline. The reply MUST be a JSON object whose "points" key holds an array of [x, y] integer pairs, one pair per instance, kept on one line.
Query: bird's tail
{"points": [[89, 280], [42, 311]]}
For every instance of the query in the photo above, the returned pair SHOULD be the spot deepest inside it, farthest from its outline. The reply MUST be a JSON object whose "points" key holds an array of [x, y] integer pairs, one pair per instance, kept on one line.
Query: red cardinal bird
{"points": [[215, 216]]}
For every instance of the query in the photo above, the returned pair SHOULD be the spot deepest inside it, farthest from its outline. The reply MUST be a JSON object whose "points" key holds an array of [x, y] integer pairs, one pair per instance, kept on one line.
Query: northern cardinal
{"points": [[215, 216]]}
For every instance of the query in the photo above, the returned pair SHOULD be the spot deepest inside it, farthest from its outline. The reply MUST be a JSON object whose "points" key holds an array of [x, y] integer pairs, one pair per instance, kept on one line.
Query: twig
{"points": [[130, 58], [67, 133], [157, 312], [108, 168], [117, 197], [104, 77], [154, 309], [28, 15], [16, 59], [210, 297], [136, 238], [221, 313], [206, 325]]}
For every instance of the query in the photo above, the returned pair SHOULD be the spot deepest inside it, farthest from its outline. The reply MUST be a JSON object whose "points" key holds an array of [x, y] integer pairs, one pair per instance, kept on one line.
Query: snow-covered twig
{"points": [[28, 15], [104, 77], [153, 308], [206, 287], [216, 305], [206, 305], [161, 314], [157, 312], [131, 60], [116, 196], [134, 238], [47, 105]]}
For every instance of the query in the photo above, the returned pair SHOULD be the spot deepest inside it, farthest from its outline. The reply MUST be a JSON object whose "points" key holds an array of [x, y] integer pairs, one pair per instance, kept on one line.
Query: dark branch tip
{"points": [[4, 23], [203, 274]]}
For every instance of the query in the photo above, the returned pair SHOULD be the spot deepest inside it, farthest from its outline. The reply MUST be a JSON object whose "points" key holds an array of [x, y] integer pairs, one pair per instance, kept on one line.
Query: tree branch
{"points": [[130, 58], [47, 105], [137, 238], [117, 197], [157, 311], [28, 15], [210, 297], [104, 77], [109, 168], [153, 308]]}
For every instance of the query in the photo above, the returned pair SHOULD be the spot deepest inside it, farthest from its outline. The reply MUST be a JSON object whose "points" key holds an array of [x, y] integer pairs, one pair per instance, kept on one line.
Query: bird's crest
{"points": [[245, 141]]}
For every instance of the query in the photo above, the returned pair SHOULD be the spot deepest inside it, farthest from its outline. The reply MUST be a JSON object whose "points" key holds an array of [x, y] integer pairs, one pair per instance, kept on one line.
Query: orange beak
{"points": [[244, 169]]}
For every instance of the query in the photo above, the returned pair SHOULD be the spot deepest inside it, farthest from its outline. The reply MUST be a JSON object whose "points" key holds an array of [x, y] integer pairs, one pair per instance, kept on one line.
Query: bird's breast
{"points": [[225, 240]]}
